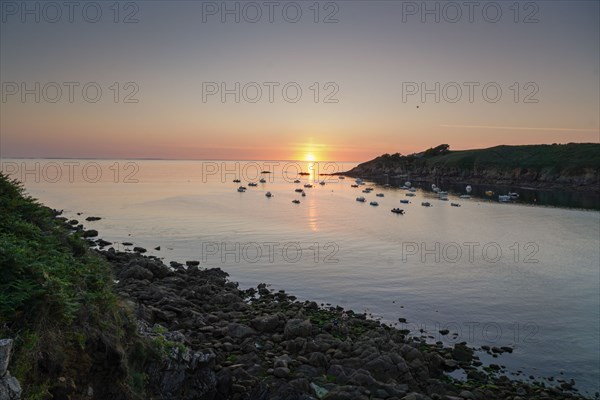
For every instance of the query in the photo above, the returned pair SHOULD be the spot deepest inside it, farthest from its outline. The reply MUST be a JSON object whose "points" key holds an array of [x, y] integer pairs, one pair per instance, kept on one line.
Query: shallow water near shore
{"points": [[492, 274]]}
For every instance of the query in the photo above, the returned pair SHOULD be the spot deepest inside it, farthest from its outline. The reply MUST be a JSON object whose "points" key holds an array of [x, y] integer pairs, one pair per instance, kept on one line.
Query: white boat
{"points": [[253, 184], [514, 195], [404, 187], [405, 201], [361, 199], [358, 180], [241, 189], [379, 195], [433, 186], [443, 195], [455, 204], [468, 188], [374, 203], [268, 194], [465, 196], [407, 184], [412, 190], [503, 198], [426, 204], [410, 194]]}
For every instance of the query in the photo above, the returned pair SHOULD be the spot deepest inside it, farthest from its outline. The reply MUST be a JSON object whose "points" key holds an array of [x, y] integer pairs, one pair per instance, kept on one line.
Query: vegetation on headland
{"points": [[575, 165]]}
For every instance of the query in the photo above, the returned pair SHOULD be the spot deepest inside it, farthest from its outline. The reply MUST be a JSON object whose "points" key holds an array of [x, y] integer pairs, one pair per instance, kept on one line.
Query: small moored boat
{"points": [[426, 204], [374, 203], [379, 195], [405, 201], [296, 201], [397, 211], [253, 184], [455, 204], [268, 194], [361, 199]]}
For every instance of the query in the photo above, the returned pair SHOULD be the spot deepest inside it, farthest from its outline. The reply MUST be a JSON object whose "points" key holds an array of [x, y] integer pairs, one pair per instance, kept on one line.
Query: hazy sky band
{"points": [[357, 78]]}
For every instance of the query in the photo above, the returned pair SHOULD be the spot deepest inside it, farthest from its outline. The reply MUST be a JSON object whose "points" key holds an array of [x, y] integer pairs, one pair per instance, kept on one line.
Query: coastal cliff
{"points": [[573, 166]]}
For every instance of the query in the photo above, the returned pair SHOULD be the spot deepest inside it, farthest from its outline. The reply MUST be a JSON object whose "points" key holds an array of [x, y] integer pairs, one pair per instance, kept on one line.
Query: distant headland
{"points": [[572, 166]]}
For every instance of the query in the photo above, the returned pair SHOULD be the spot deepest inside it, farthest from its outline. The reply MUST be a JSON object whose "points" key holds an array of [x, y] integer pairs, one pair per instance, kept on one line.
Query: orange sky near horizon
{"points": [[354, 77]]}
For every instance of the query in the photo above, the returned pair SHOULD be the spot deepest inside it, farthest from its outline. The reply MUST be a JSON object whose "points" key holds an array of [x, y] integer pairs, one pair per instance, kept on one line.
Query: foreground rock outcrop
{"points": [[10, 388], [228, 343]]}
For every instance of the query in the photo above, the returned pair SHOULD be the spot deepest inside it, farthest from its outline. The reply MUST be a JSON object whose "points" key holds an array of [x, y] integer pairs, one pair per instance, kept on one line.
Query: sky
{"points": [[339, 80]]}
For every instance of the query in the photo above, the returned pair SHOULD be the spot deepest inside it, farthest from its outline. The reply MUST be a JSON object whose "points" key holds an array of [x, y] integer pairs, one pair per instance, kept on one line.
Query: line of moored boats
{"points": [[410, 192]]}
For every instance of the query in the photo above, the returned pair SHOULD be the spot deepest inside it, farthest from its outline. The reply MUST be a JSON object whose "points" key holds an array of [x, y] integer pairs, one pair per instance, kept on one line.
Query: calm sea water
{"points": [[492, 274]]}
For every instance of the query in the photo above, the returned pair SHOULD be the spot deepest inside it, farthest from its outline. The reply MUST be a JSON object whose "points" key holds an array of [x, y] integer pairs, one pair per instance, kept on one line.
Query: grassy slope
{"points": [[569, 158], [56, 300]]}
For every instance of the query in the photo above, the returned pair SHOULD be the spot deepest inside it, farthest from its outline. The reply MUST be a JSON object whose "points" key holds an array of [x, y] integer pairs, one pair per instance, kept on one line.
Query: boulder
{"points": [[297, 328]]}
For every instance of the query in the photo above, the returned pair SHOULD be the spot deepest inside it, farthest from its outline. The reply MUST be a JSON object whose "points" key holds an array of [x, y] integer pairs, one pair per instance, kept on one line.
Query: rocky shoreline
{"points": [[223, 342]]}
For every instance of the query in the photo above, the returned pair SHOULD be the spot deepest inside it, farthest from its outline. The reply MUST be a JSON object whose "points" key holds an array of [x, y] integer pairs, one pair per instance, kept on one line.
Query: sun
{"points": [[310, 157]]}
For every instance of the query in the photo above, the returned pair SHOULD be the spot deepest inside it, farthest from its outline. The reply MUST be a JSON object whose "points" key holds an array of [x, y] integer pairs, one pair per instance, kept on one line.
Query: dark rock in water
{"points": [[157, 248], [93, 218], [90, 233], [444, 332], [73, 222], [192, 263], [462, 353], [506, 349], [102, 242], [139, 249], [127, 244]]}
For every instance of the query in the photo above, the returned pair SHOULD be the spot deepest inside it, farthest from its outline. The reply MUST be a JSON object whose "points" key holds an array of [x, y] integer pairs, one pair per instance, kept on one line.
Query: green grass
{"points": [[569, 159], [56, 296]]}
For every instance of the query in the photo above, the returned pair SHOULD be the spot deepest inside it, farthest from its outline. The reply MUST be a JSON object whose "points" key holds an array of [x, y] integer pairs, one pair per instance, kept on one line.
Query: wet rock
{"points": [[192, 263], [138, 249], [462, 353], [90, 233], [93, 219]]}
